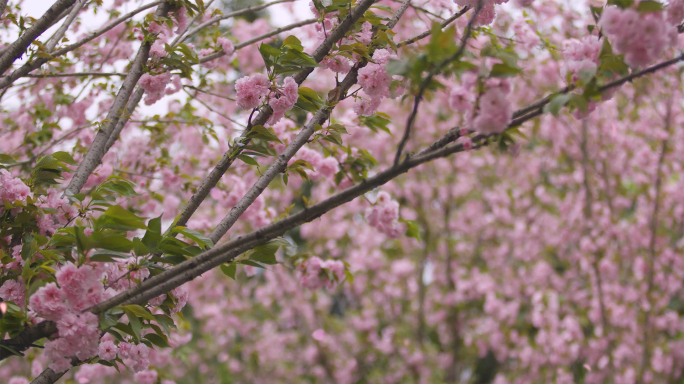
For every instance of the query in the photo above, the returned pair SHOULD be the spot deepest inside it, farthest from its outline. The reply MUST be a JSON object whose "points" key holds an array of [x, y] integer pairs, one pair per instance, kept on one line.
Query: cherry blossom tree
{"points": [[366, 191]]}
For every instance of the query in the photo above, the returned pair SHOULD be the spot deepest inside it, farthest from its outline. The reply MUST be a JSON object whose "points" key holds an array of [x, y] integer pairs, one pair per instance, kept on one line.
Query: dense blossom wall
{"points": [[336, 240]]}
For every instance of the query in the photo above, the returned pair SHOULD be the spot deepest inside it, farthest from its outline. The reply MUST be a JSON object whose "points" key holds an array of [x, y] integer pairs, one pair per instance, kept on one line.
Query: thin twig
{"points": [[428, 79], [653, 226], [227, 16], [429, 32], [37, 62], [57, 36]]}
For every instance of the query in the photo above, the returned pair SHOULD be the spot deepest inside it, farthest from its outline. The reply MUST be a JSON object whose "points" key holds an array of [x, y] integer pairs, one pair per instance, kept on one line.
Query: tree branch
{"points": [[272, 33], [280, 164], [97, 149], [37, 62], [27, 337], [227, 16], [428, 79], [229, 157], [429, 32], [57, 36], [230, 250], [17, 48]]}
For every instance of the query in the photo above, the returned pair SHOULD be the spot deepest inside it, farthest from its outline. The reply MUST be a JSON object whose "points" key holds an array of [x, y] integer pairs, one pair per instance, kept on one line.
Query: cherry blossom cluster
{"points": [[384, 216], [641, 37], [226, 45], [12, 189], [252, 91], [283, 99], [491, 112], [375, 81], [581, 56], [155, 86], [325, 167], [79, 334], [135, 356], [340, 63], [487, 13], [13, 290], [316, 273], [49, 223]]}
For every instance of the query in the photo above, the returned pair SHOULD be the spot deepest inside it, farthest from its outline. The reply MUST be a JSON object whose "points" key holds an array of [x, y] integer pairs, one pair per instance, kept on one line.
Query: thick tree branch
{"points": [[17, 48], [97, 149], [48, 376], [27, 337], [192, 268], [126, 115]]}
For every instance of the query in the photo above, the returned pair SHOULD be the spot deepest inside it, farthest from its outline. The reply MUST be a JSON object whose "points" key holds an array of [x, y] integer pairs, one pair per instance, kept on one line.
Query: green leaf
{"points": [[264, 258], [157, 340], [294, 43], [397, 67], [110, 240], [229, 270], [338, 128], [134, 323], [334, 137], [64, 157], [504, 70], [586, 75], [165, 322], [442, 43], [116, 217], [194, 235], [297, 59], [154, 225], [153, 234], [309, 100], [621, 3], [646, 6], [348, 275], [138, 311], [250, 263], [128, 329], [105, 255], [261, 132], [412, 229], [269, 54], [248, 160], [108, 320], [265, 253], [376, 121], [6, 159], [557, 103], [301, 163], [14, 352]]}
